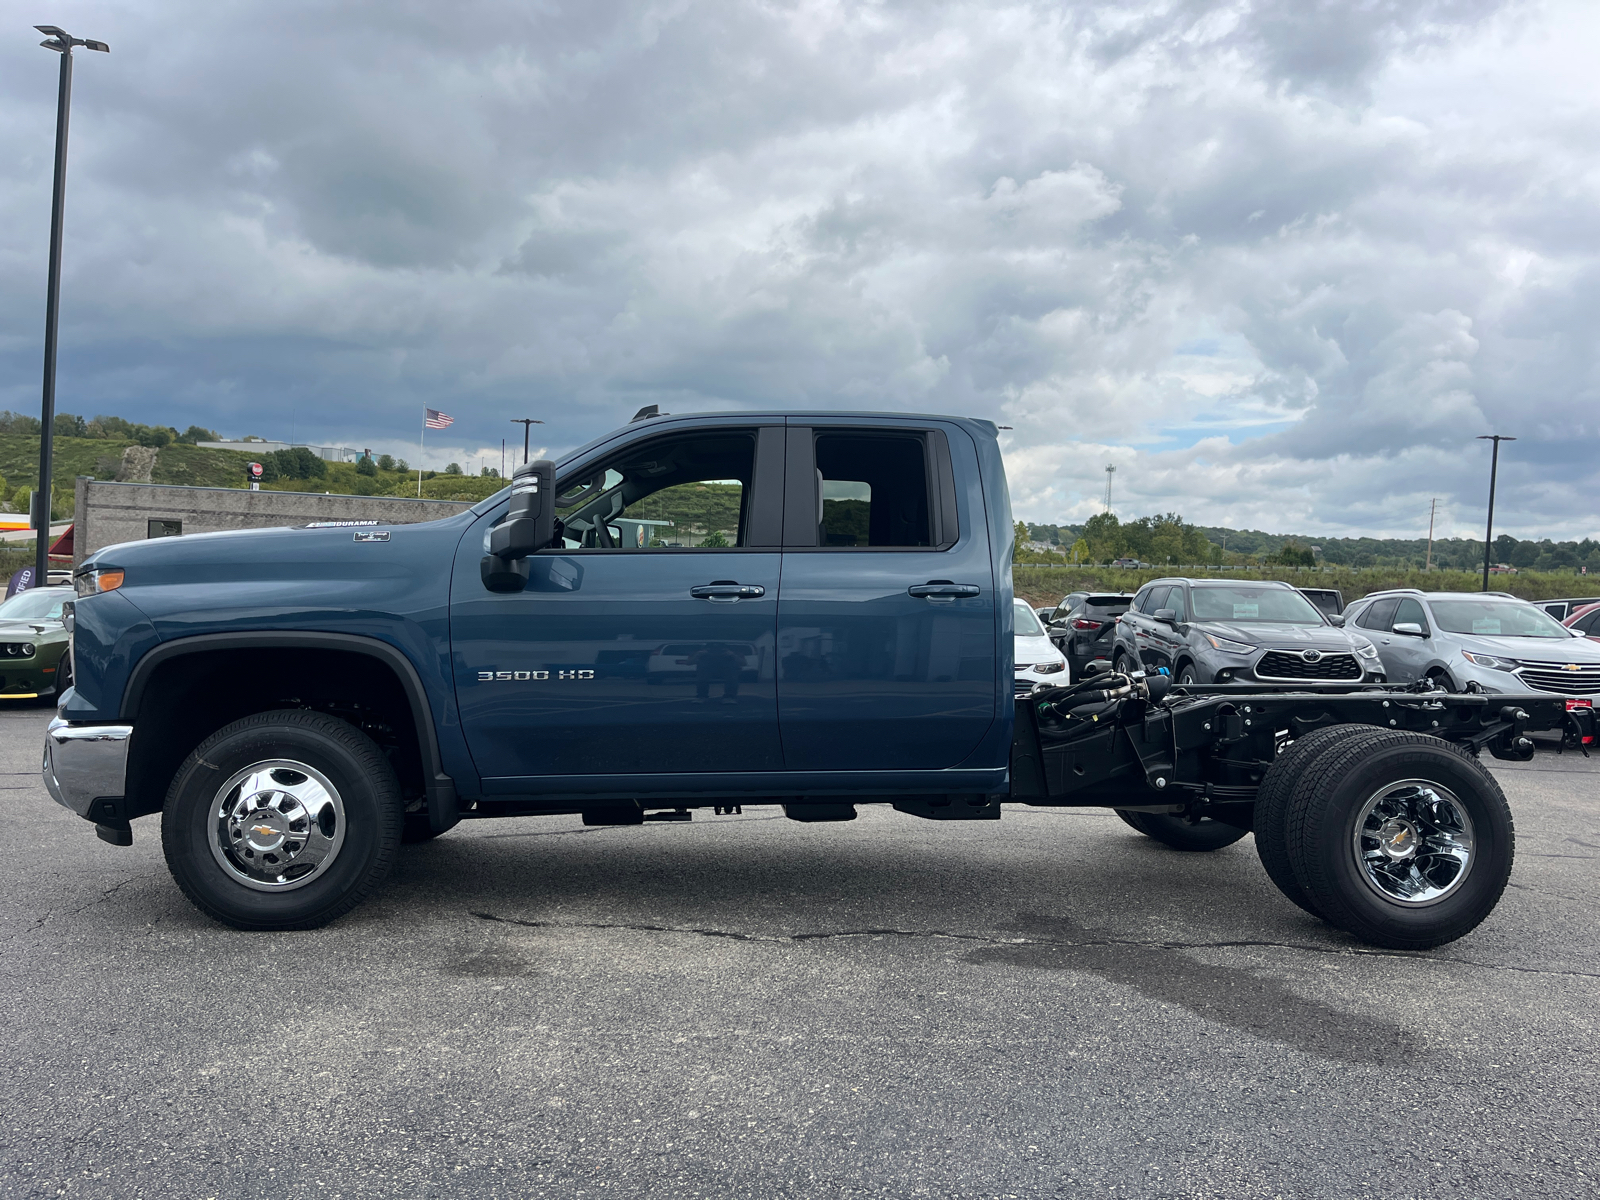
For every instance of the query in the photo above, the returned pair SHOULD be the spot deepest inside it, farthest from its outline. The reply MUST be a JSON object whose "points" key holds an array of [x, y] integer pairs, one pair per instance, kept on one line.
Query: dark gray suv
{"points": [[1227, 631]]}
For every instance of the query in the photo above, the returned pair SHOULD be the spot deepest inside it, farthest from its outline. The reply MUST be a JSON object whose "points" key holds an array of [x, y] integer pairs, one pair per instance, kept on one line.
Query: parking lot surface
{"points": [[1050, 1005]]}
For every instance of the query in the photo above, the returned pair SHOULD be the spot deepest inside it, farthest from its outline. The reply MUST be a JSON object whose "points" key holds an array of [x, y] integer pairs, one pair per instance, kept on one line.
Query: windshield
{"points": [[1250, 605], [1027, 624], [1493, 618], [41, 604]]}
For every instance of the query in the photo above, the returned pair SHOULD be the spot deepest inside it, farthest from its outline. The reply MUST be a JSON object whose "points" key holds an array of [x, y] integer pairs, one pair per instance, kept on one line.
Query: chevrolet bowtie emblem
{"points": [[263, 830], [1572, 667]]}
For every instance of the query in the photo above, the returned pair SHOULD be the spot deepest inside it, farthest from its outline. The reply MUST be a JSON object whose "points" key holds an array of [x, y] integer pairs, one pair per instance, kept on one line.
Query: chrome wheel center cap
{"points": [[278, 825], [264, 830], [1398, 839]]}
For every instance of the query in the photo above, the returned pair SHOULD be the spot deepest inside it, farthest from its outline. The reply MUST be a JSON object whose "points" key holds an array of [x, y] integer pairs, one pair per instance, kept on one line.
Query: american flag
{"points": [[433, 419]]}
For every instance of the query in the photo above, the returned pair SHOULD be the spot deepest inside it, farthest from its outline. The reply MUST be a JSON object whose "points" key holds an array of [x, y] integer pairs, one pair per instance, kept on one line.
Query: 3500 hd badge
{"points": [[534, 676]]}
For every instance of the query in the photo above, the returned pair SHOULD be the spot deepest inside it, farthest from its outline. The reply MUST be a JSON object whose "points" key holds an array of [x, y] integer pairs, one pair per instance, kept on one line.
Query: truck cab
{"points": [[804, 607]]}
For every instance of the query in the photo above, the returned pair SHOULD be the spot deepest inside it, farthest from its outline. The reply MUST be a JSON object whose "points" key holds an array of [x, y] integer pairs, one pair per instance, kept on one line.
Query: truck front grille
{"points": [[1288, 664], [1554, 677]]}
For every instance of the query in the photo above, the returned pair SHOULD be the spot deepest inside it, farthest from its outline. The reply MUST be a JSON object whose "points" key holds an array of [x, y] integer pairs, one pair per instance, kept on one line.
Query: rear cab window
{"points": [[869, 489]]}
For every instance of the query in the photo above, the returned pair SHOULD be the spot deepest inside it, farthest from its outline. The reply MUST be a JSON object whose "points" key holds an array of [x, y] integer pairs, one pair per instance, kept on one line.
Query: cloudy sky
{"points": [[1278, 260]]}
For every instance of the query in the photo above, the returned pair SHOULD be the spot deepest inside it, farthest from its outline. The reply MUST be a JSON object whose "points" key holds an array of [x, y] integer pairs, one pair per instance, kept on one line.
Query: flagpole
{"points": [[421, 439]]}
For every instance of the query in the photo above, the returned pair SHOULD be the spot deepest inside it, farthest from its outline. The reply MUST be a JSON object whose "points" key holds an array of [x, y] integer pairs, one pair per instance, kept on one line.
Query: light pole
{"points": [[1494, 469], [527, 424], [62, 43]]}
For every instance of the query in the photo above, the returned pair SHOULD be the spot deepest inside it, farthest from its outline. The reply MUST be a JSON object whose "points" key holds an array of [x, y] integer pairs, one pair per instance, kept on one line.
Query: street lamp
{"points": [[527, 424], [62, 43], [1494, 469]]}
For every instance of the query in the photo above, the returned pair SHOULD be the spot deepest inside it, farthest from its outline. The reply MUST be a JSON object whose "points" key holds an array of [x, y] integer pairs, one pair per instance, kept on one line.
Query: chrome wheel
{"points": [[1414, 842], [277, 825]]}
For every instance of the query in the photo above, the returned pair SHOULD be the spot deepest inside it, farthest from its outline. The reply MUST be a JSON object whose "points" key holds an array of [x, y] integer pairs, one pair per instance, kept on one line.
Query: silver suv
{"points": [[1475, 642]]}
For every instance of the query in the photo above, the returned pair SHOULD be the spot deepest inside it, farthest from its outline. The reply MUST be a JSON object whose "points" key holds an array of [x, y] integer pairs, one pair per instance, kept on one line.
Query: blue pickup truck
{"points": [[811, 610]]}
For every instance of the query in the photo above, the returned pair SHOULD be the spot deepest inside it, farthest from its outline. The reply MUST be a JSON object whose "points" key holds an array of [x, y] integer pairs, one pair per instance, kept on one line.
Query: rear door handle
{"points": [[943, 589], [727, 589]]}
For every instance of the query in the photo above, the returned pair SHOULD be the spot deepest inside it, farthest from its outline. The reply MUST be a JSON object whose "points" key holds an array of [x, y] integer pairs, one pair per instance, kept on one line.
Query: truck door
{"points": [[887, 627], [645, 644]]}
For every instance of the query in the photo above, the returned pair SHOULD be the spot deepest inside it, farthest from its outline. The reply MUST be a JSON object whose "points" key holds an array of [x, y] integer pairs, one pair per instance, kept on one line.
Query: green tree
{"points": [[1080, 551], [66, 425], [715, 539], [1105, 537], [365, 465], [196, 434], [453, 469], [386, 462]]}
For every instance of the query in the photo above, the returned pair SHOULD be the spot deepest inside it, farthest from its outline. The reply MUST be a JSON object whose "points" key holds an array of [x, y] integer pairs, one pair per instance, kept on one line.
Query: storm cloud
{"points": [[1279, 261]]}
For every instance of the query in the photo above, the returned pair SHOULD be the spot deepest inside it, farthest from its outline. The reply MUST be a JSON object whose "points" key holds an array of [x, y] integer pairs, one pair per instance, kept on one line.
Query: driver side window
{"points": [[683, 493]]}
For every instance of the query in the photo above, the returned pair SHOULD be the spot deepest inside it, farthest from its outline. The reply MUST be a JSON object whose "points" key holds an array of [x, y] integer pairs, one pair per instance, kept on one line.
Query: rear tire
{"points": [[1181, 834], [1272, 803], [1400, 839], [282, 820]]}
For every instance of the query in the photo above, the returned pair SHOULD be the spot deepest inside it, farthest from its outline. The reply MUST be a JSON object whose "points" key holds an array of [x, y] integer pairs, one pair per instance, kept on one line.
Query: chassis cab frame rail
{"points": [[1206, 749]]}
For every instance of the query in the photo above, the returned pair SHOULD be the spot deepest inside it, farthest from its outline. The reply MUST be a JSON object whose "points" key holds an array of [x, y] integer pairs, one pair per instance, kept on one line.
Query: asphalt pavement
{"points": [[1046, 1006]]}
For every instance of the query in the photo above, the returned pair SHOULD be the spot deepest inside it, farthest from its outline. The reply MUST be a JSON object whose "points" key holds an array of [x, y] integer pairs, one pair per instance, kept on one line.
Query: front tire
{"points": [[1401, 839], [282, 820], [1181, 834]]}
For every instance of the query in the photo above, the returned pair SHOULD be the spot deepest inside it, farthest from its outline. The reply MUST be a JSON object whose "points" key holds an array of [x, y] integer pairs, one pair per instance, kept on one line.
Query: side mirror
{"points": [[530, 526], [1410, 629], [1167, 616], [1336, 620]]}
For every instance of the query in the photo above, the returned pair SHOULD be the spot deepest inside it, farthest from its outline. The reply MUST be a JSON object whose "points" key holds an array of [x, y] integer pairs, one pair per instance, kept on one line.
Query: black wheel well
{"points": [[186, 698]]}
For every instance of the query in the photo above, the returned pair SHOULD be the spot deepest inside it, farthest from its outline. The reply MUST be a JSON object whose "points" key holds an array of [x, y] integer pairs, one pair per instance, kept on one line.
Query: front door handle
{"points": [[727, 589], [943, 589]]}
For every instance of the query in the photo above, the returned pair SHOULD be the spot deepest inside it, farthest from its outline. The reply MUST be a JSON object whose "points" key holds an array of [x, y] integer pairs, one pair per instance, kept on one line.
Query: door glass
{"points": [[1155, 598], [1380, 616], [1175, 603], [874, 490], [1410, 610], [672, 494]]}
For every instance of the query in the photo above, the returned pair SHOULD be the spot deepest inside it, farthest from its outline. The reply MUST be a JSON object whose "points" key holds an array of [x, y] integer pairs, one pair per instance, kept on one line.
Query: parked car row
{"points": [[1204, 631]]}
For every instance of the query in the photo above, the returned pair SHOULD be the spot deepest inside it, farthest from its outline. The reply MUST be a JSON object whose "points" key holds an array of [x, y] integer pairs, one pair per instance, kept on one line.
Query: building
{"points": [[109, 513], [330, 453]]}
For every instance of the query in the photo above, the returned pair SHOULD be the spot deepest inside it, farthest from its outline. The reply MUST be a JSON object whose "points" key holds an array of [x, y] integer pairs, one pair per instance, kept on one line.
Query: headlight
{"points": [[1050, 668], [1489, 660], [97, 579], [1230, 647], [1366, 649]]}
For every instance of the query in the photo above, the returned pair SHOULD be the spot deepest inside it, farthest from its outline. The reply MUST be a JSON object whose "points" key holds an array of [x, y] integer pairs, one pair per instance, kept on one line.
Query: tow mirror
{"points": [[529, 527], [1410, 629]]}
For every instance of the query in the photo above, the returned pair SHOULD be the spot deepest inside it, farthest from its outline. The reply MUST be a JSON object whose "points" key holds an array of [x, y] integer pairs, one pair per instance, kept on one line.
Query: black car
{"points": [[1084, 624], [1227, 631], [1329, 600]]}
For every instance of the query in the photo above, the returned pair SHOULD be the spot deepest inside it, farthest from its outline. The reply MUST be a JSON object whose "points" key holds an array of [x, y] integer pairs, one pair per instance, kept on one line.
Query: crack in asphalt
{"points": [[40, 922], [991, 940]]}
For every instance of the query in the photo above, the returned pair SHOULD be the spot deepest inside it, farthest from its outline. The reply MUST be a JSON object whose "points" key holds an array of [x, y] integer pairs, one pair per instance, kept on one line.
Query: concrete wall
{"points": [[108, 513]]}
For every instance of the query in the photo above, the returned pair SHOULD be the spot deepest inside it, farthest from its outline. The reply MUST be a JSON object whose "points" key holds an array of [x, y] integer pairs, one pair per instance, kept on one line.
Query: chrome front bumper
{"points": [[85, 763]]}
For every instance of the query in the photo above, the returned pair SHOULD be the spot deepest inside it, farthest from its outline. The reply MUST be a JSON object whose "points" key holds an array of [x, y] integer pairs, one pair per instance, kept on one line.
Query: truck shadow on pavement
{"points": [[800, 895], [1249, 1001]]}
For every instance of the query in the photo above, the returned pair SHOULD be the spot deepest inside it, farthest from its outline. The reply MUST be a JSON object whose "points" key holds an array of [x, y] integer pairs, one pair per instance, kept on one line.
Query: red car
{"points": [[1586, 619]]}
